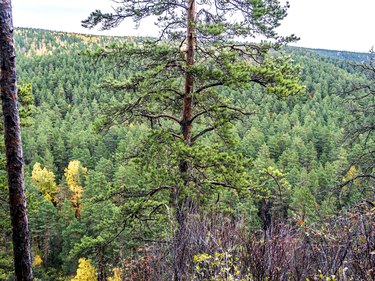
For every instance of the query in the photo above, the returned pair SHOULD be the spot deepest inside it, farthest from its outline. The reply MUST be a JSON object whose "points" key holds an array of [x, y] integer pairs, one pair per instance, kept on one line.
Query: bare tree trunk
{"points": [[181, 242], [101, 264], [13, 146]]}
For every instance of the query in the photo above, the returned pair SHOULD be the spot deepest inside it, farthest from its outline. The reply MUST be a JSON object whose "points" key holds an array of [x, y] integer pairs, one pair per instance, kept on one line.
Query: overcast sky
{"points": [[328, 24]]}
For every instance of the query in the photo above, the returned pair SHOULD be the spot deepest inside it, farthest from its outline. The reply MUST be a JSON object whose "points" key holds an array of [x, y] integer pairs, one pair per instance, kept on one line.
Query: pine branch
{"points": [[209, 129]]}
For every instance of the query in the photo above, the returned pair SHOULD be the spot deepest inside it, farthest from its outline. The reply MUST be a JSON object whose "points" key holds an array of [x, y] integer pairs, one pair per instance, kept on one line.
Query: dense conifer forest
{"points": [[295, 199]]}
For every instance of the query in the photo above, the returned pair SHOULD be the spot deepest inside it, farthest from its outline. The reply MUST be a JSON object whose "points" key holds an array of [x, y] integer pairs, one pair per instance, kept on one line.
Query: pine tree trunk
{"points": [[187, 109], [13, 146], [181, 241], [101, 264]]}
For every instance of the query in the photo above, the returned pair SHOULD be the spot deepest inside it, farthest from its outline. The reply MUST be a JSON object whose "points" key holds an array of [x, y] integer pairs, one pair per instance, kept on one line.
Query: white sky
{"points": [[327, 24]]}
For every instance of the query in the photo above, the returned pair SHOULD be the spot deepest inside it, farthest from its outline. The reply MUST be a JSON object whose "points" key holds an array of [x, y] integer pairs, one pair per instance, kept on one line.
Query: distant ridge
{"points": [[336, 54], [68, 32], [344, 55]]}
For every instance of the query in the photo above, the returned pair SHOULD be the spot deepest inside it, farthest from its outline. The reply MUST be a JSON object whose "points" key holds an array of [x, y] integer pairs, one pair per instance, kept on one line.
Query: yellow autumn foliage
{"points": [[75, 172], [45, 182], [116, 275], [37, 260], [85, 271], [352, 173], [74, 175]]}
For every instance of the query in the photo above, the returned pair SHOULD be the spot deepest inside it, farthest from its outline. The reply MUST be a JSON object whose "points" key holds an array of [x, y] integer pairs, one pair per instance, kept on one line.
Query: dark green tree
{"points": [[178, 83], [360, 128]]}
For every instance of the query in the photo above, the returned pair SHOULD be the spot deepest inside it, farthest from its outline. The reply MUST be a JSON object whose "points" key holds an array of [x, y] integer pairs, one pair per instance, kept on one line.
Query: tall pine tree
{"points": [[181, 83]]}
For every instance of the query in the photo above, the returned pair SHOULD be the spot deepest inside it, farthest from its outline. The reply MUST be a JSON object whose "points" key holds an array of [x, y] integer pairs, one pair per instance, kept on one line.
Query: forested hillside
{"points": [[307, 174], [344, 55]]}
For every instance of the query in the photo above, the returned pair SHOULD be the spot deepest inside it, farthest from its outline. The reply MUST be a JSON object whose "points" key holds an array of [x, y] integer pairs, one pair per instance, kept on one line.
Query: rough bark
{"points": [[101, 264], [187, 109], [181, 242], [13, 146], [187, 102]]}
